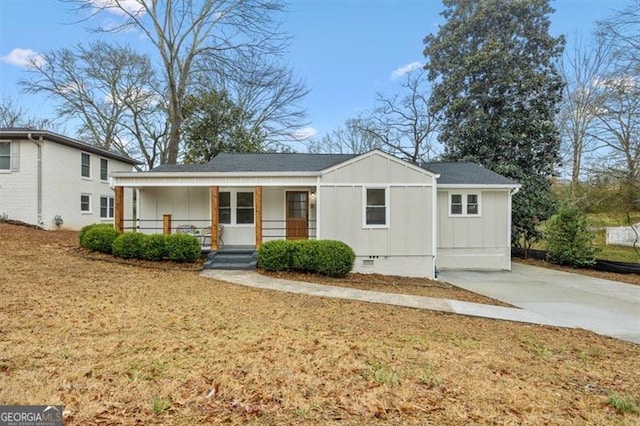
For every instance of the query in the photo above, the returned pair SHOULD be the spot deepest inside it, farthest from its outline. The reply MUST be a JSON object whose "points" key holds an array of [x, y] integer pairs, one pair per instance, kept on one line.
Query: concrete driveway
{"points": [[605, 307]]}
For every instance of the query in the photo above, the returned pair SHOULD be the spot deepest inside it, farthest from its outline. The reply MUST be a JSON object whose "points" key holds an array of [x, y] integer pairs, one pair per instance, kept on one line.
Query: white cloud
{"points": [[120, 7], [406, 69], [305, 133], [23, 58]]}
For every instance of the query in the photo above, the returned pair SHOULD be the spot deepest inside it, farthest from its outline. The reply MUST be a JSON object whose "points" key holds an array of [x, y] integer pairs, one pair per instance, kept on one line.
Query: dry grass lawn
{"points": [[125, 344]]}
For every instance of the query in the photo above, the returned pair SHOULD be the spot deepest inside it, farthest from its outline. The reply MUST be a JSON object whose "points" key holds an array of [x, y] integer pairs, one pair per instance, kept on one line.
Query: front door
{"points": [[297, 215]]}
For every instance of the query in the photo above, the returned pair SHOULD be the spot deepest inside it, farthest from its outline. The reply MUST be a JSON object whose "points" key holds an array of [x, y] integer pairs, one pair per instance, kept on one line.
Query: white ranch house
{"points": [[399, 218], [53, 181]]}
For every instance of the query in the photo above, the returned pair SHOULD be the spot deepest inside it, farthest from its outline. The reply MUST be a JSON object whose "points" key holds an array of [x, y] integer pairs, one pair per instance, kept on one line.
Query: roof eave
{"points": [[147, 175], [55, 137], [478, 186]]}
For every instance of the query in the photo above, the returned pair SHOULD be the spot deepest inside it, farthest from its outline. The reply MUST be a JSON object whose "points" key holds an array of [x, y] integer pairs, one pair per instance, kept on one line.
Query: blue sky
{"points": [[346, 51]]}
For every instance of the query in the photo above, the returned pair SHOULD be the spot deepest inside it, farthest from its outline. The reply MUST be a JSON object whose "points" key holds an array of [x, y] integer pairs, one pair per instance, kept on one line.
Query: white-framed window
{"points": [[236, 208], [9, 156], [85, 165], [85, 203], [375, 207], [104, 169], [5, 155], [464, 204], [106, 207]]}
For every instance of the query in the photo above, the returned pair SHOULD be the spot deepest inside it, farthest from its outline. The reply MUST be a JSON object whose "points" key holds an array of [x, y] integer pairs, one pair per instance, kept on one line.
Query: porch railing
{"points": [[271, 229]]}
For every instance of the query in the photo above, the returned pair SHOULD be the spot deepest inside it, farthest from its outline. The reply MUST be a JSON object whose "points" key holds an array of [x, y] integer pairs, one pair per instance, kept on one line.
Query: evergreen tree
{"points": [[497, 88]]}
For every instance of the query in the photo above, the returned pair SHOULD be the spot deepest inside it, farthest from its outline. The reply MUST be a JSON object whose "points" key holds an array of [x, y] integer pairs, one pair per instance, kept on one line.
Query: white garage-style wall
{"points": [[480, 241]]}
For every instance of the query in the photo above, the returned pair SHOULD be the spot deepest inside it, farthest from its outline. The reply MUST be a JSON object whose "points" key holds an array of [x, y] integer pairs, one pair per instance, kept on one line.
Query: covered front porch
{"points": [[223, 215]]}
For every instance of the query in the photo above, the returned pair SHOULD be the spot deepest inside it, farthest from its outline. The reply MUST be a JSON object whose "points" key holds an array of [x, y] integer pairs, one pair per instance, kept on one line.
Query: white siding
{"points": [[406, 245], [475, 242], [18, 189], [187, 206], [62, 186]]}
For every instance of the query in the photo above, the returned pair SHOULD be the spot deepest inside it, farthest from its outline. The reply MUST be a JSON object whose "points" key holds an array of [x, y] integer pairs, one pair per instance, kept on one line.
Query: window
{"points": [[464, 205], [235, 208], [224, 208], [106, 207], [5, 155], [85, 168], [85, 203], [376, 207], [244, 207], [104, 169]]}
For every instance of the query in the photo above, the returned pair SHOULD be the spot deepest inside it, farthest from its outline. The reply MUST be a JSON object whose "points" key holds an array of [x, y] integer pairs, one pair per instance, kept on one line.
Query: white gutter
{"points": [[212, 174], [39, 145]]}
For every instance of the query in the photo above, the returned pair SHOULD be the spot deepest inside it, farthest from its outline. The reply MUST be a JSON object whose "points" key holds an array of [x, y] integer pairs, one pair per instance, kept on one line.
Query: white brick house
{"points": [[47, 178]]}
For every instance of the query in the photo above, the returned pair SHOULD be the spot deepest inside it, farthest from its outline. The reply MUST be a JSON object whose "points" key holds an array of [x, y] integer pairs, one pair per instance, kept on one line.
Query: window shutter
{"points": [[15, 156]]}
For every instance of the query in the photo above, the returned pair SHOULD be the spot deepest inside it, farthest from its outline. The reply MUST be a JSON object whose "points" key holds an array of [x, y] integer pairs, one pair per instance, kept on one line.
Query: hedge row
{"points": [[326, 257], [132, 245]]}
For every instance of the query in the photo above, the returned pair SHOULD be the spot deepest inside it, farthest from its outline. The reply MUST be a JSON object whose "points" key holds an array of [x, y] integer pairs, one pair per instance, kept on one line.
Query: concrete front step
{"points": [[231, 266], [238, 257]]}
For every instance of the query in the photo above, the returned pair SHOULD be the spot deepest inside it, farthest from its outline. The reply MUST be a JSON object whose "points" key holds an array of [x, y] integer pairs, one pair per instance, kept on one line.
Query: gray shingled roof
{"points": [[270, 162], [455, 173], [23, 132]]}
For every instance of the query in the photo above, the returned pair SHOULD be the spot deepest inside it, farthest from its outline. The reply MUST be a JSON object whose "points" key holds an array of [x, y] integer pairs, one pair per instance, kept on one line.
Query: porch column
{"points": [[166, 224], [118, 213], [258, 217], [215, 203]]}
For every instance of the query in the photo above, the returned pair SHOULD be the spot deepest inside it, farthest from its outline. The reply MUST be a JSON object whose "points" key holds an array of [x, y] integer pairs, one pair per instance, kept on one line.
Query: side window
{"points": [[464, 204], [85, 167], [104, 169], [106, 207], [85, 203], [224, 208], [376, 207], [5, 155], [456, 203], [244, 207]]}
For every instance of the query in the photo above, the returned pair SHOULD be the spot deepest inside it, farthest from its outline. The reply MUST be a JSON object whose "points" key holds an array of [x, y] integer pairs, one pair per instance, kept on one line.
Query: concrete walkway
{"points": [[605, 307], [254, 279]]}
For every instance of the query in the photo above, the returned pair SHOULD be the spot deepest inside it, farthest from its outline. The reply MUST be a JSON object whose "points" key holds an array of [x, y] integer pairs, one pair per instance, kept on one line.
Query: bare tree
{"points": [[112, 90], [582, 99], [184, 33], [350, 138], [15, 115], [267, 91], [404, 124]]}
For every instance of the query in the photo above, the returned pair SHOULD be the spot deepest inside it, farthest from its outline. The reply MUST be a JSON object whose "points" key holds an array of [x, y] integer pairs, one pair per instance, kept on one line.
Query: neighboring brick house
{"points": [[53, 181]]}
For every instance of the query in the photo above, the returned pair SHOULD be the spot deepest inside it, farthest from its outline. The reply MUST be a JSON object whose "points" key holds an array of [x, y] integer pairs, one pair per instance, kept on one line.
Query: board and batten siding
{"points": [[404, 247], [475, 242]]}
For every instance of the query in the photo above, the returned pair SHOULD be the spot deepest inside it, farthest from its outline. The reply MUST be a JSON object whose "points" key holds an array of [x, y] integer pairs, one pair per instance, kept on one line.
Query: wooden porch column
{"points": [[118, 214], [166, 224], [215, 220], [258, 217]]}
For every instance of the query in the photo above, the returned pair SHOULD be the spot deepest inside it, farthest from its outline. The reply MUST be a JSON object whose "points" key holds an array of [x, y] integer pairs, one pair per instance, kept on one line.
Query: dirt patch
{"points": [[623, 278], [392, 284], [121, 344]]}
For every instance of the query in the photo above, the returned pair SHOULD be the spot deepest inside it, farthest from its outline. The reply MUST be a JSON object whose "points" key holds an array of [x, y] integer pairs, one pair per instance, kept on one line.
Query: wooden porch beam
{"points": [[166, 224], [215, 220], [118, 213], [258, 217]]}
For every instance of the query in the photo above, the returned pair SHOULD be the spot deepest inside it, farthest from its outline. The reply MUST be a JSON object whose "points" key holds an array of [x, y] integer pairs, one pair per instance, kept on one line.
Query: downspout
{"points": [[512, 192], [39, 145]]}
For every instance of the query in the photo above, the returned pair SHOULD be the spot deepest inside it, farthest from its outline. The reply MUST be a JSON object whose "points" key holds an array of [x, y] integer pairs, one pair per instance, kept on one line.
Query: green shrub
{"points": [[129, 245], [83, 232], [304, 255], [569, 238], [275, 255], [100, 238], [154, 247], [326, 257], [334, 258], [183, 248]]}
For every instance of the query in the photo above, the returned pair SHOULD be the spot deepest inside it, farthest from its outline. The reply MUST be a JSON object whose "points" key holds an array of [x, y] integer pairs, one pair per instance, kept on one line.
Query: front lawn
{"points": [[126, 344]]}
